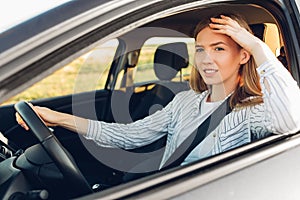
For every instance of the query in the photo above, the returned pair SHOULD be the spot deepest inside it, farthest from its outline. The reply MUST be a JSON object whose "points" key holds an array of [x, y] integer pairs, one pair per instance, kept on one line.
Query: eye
{"points": [[219, 49], [199, 49]]}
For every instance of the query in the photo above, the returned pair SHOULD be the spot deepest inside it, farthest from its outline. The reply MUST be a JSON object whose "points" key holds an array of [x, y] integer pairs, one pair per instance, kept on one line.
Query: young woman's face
{"points": [[218, 58]]}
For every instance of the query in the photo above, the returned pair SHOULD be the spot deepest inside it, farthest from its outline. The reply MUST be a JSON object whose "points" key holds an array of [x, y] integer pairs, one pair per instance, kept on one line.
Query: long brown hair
{"points": [[248, 86]]}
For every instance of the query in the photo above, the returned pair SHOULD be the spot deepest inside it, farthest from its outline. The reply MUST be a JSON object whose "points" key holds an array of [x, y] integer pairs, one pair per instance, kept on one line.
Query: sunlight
{"points": [[14, 12]]}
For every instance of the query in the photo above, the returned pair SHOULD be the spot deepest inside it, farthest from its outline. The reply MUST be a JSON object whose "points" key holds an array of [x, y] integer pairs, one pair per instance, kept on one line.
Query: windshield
{"points": [[17, 11]]}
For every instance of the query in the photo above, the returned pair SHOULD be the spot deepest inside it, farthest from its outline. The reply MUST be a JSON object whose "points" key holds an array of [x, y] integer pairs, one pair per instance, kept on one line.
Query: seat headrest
{"points": [[258, 30], [169, 59]]}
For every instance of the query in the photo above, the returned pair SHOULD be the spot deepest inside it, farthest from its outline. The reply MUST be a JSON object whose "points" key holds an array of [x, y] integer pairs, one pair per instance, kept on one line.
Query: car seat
{"points": [[169, 59]]}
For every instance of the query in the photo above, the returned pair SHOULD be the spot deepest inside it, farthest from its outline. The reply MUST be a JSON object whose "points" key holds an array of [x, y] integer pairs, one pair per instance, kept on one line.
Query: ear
{"points": [[245, 56]]}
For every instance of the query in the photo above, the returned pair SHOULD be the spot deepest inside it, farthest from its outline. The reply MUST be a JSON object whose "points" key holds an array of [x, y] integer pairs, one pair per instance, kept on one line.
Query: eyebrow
{"points": [[212, 44]]}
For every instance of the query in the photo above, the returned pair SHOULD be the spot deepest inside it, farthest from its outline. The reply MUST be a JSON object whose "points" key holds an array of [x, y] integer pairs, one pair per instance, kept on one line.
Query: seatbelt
{"points": [[197, 136]]}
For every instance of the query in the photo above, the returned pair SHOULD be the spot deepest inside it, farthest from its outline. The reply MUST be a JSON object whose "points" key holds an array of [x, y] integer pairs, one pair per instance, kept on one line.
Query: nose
{"points": [[206, 57]]}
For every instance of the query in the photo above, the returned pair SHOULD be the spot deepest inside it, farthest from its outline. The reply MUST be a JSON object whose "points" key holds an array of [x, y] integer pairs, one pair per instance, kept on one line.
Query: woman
{"points": [[230, 63]]}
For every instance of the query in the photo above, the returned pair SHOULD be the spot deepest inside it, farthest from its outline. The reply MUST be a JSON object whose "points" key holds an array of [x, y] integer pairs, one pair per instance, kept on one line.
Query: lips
{"points": [[210, 71]]}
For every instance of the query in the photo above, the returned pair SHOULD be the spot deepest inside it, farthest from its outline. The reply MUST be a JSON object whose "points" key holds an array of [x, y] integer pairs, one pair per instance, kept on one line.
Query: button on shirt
{"points": [[278, 114]]}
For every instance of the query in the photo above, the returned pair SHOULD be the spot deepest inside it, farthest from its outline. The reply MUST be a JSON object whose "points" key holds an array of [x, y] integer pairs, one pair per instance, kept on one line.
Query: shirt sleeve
{"points": [[132, 135], [281, 97]]}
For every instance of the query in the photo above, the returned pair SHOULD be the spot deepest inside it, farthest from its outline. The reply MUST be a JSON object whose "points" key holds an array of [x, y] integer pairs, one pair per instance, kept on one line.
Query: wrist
{"points": [[73, 123], [262, 53], [64, 120]]}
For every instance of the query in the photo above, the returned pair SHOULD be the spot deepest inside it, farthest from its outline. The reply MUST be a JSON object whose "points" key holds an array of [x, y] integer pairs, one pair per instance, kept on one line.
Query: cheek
{"points": [[227, 62], [231, 69], [204, 59], [198, 62]]}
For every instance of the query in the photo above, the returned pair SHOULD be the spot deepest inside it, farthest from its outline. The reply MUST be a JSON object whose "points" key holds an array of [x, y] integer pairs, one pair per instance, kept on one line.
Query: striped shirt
{"points": [[278, 114]]}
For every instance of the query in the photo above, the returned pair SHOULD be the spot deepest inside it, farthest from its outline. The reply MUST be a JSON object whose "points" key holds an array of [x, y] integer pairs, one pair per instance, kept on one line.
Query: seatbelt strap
{"points": [[197, 136]]}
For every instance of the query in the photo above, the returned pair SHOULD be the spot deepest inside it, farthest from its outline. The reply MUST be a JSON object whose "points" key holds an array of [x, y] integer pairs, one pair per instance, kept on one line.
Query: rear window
{"points": [[144, 68]]}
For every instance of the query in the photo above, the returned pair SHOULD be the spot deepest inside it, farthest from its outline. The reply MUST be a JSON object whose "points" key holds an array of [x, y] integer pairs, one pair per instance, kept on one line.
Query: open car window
{"points": [[146, 58], [86, 73], [90, 72]]}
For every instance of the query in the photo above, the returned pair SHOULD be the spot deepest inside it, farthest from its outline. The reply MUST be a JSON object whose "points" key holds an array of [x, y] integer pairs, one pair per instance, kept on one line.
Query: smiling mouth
{"points": [[210, 71]]}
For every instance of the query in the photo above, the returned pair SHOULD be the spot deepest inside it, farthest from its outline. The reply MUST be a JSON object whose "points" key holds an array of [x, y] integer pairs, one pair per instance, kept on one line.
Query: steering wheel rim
{"points": [[59, 155]]}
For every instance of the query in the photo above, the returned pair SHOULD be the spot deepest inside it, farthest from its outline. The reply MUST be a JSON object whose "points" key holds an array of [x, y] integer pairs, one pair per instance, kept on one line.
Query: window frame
{"points": [[161, 183]]}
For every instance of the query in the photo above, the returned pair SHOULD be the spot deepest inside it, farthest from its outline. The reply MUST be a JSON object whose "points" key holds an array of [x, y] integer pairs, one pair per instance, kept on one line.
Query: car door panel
{"points": [[83, 103]]}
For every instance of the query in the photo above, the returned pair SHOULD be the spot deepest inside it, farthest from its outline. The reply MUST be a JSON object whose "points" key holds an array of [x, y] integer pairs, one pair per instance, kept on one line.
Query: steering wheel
{"points": [[59, 155]]}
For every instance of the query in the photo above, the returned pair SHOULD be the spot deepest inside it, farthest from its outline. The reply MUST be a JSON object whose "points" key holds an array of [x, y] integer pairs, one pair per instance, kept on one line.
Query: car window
{"points": [[144, 68], [143, 72], [85, 73], [90, 71]]}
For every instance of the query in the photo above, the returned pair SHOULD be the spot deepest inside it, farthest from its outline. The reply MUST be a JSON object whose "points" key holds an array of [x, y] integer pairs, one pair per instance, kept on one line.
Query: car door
{"points": [[51, 46], [118, 21], [66, 44], [266, 169]]}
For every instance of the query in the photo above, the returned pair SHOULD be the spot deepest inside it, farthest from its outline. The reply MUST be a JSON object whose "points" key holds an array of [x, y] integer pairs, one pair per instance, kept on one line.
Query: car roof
{"points": [[44, 21], [15, 15], [87, 17], [68, 10], [186, 21]]}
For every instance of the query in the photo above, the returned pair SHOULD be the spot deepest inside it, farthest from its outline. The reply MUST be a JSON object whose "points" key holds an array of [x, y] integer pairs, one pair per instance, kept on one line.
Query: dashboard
{"points": [[5, 150]]}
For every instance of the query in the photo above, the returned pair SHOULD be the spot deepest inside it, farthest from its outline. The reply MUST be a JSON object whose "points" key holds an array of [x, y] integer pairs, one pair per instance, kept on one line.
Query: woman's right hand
{"points": [[47, 115], [54, 118]]}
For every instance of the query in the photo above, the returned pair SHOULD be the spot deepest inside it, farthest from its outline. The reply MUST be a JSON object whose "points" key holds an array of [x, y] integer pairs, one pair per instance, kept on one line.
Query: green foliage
{"points": [[73, 78]]}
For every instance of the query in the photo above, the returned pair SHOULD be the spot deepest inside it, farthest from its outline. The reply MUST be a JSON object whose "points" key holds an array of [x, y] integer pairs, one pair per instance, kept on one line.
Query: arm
{"points": [[129, 136], [126, 136], [54, 118], [281, 93], [257, 48], [281, 97]]}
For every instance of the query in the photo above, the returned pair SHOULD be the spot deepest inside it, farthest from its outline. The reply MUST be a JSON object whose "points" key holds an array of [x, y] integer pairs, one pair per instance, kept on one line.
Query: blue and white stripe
{"points": [[280, 114]]}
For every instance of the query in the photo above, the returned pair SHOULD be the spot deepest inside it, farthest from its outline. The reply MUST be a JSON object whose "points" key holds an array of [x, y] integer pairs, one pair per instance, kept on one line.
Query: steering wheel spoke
{"points": [[60, 156]]}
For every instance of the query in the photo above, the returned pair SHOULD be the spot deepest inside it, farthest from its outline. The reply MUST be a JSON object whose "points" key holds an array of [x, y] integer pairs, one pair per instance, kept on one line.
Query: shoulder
{"points": [[189, 97], [190, 94], [253, 112]]}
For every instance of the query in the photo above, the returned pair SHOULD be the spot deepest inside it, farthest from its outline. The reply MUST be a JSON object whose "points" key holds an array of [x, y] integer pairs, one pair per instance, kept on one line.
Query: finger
{"points": [[224, 20], [21, 122], [33, 107], [25, 126], [224, 29], [40, 112], [216, 26], [18, 118], [220, 20]]}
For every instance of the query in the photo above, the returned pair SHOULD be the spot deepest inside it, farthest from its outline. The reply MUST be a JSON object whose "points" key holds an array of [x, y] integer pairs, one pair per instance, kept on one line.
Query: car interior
{"points": [[122, 98]]}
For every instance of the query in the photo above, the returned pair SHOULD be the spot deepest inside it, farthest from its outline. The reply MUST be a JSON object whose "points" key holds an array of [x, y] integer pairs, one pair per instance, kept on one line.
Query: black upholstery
{"points": [[169, 59], [258, 30]]}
